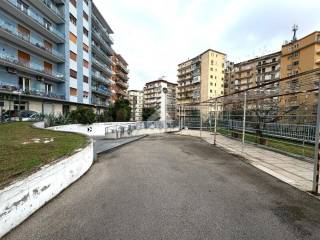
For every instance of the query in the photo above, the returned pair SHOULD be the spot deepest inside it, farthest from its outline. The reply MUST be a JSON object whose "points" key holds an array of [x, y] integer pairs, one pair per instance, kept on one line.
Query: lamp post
{"points": [[165, 91]]}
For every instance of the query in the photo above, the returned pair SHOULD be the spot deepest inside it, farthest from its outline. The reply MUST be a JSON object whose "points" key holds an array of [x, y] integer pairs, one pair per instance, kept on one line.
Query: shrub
{"points": [[83, 116]]}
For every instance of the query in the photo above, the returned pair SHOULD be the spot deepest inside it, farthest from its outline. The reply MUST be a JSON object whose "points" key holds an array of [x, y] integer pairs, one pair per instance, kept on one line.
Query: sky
{"points": [[154, 36]]}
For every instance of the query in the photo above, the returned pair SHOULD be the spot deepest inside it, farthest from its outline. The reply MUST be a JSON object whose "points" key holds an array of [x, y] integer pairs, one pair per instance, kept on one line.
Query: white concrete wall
{"points": [[21, 199], [99, 129]]}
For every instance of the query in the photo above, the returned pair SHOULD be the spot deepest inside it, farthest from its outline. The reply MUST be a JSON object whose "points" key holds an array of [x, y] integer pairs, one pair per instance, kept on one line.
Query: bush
{"points": [[83, 116], [52, 120]]}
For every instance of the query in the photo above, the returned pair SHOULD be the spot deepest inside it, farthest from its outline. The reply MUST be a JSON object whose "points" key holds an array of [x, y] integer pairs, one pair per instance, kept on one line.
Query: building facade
{"points": [[251, 73], [201, 78], [120, 77], [300, 60], [136, 103], [49, 51], [155, 97]]}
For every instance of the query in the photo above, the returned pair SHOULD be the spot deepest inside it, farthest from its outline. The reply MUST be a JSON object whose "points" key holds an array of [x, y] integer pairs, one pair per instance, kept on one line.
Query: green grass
{"points": [[284, 145], [18, 159]]}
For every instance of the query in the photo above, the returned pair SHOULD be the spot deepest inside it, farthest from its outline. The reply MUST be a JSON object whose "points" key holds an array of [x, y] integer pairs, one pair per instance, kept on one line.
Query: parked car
{"points": [[26, 115]]}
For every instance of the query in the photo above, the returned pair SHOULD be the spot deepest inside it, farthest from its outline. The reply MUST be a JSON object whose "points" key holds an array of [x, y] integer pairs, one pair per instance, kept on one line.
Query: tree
{"points": [[120, 111], [150, 114]]}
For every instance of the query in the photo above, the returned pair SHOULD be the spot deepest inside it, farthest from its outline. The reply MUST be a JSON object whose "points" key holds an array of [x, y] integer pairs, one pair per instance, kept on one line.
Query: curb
{"points": [[121, 145]]}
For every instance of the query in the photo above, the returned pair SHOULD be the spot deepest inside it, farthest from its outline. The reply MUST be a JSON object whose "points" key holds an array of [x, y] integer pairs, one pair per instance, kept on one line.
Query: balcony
{"points": [[97, 50], [121, 92], [10, 33], [6, 88], [29, 67], [49, 9], [101, 90], [102, 67], [99, 102], [122, 84], [98, 77], [122, 76], [31, 18], [123, 67], [105, 34]]}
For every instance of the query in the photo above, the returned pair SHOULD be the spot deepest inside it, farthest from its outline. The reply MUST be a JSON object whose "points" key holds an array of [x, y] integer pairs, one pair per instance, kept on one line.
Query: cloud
{"points": [[154, 36]]}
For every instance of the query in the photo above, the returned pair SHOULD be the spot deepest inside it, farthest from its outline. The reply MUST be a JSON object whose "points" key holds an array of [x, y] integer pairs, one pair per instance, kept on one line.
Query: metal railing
{"points": [[138, 128], [28, 38]]}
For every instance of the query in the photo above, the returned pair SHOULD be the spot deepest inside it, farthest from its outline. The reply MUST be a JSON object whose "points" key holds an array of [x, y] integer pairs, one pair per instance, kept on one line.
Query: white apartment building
{"points": [[136, 104]]}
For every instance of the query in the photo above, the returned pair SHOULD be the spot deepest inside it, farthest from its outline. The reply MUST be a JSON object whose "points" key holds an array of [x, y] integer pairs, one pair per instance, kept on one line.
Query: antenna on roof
{"points": [[294, 30]]}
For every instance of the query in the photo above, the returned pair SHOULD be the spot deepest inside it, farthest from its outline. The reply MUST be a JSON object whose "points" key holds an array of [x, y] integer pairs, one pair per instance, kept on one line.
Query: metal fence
{"points": [[139, 128], [280, 115]]}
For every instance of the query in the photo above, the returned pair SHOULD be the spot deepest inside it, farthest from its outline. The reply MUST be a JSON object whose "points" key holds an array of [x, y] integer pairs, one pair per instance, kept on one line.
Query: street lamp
{"points": [[165, 91]]}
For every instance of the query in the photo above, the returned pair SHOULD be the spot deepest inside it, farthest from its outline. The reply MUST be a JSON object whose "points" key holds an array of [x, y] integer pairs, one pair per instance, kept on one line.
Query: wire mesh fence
{"points": [[279, 115]]}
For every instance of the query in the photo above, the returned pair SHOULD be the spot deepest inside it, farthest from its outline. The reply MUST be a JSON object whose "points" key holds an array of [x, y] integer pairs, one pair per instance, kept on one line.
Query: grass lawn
{"points": [[276, 143], [22, 148]]}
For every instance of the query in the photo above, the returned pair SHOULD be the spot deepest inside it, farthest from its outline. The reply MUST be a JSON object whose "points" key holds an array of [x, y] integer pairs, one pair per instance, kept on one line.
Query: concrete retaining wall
{"points": [[99, 129], [19, 200]]}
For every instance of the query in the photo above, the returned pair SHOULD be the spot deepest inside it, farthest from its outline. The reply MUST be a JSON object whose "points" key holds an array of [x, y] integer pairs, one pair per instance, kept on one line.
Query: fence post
{"points": [[244, 120], [315, 186], [215, 122], [200, 121]]}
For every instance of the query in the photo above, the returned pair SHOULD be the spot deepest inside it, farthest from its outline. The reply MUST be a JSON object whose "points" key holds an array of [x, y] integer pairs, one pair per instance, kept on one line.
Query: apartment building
{"points": [[300, 59], [120, 77], [101, 60], [251, 73], [49, 53], [136, 104], [201, 78], [163, 101]]}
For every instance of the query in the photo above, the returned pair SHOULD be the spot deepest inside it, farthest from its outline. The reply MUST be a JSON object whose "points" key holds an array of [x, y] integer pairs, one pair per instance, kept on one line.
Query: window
{"points": [[24, 58], [85, 63], [211, 84], [210, 90], [23, 7], [23, 105], [211, 76], [211, 69], [24, 84], [73, 38], [85, 79], [47, 24], [85, 48], [74, 3], [73, 56], [47, 45], [85, 94], [47, 67], [73, 19], [85, 32], [48, 88], [73, 92], [295, 63], [24, 32], [211, 62], [73, 74], [85, 16]]}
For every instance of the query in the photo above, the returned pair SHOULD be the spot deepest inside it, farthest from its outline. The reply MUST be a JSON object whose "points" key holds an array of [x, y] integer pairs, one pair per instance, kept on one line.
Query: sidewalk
{"points": [[293, 171]]}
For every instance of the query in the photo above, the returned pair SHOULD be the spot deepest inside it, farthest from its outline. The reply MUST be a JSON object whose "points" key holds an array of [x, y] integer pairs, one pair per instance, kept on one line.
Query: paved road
{"points": [[174, 187]]}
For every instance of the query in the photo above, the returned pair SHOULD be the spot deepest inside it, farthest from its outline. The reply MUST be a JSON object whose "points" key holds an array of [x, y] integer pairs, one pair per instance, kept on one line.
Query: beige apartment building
{"points": [[165, 103], [201, 78], [300, 60], [120, 77], [251, 73], [136, 104]]}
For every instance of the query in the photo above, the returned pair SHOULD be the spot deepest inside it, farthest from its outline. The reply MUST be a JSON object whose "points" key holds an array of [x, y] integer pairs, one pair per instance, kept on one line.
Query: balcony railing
{"points": [[104, 30], [35, 17], [103, 54], [52, 7], [102, 90], [33, 92], [103, 66], [122, 84], [100, 103], [31, 40], [101, 78], [30, 65]]}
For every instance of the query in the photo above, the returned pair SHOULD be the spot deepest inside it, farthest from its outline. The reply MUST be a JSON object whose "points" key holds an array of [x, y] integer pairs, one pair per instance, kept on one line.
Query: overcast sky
{"points": [[155, 35]]}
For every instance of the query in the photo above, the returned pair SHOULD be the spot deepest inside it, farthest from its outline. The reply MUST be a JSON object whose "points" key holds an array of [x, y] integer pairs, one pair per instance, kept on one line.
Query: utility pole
{"points": [[244, 120], [316, 168], [215, 122]]}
